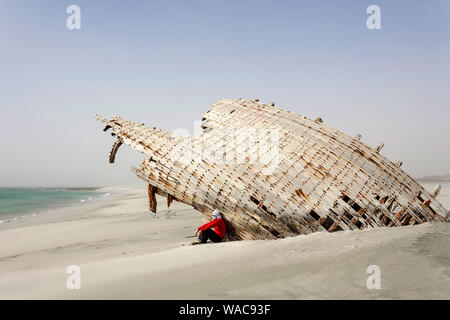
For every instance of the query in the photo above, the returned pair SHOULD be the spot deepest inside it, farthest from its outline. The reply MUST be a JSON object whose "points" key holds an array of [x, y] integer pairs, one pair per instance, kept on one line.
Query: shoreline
{"points": [[55, 208]]}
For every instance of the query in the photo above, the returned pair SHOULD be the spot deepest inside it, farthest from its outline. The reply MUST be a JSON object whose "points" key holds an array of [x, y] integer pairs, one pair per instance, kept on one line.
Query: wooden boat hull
{"points": [[273, 173]]}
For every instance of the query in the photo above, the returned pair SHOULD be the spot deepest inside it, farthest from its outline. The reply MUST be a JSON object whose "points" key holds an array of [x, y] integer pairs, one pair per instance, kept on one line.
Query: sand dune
{"points": [[125, 252]]}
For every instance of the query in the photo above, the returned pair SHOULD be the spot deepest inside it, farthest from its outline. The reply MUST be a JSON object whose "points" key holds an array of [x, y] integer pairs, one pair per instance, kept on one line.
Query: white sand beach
{"points": [[126, 252]]}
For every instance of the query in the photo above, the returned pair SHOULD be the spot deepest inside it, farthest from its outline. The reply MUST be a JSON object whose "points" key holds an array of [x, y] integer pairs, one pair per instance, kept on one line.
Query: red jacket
{"points": [[217, 224]]}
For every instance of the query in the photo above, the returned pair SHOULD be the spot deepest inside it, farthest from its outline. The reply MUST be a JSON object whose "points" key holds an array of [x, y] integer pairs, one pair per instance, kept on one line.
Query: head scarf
{"points": [[216, 215]]}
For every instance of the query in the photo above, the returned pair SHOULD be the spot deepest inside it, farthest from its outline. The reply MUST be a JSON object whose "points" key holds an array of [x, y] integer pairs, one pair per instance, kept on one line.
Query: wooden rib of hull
{"points": [[312, 178]]}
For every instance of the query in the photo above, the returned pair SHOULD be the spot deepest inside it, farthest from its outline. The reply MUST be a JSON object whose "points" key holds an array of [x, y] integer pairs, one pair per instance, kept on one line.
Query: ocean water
{"points": [[24, 202]]}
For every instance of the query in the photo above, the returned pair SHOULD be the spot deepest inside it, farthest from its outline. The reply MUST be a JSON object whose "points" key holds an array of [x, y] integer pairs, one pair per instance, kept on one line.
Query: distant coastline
{"points": [[56, 188], [80, 188], [435, 178]]}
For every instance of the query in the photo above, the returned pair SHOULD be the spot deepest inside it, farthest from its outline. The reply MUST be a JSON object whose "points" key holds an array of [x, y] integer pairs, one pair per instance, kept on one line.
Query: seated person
{"points": [[214, 230]]}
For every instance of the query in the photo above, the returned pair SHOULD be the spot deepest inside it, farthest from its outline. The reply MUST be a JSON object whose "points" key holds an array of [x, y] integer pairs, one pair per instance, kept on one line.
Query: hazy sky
{"points": [[165, 62]]}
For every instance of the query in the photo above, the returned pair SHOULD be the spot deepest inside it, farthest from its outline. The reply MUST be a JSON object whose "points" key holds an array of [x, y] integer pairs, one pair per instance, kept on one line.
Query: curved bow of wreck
{"points": [[274, 173]]}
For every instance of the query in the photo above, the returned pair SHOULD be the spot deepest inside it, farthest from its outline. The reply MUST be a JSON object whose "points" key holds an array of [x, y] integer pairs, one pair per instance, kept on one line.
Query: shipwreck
{"points": [[273, 173]]}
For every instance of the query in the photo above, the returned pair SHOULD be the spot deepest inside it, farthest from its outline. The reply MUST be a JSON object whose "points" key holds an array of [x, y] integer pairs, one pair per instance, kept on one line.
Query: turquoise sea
{"points": [[23, 202]]}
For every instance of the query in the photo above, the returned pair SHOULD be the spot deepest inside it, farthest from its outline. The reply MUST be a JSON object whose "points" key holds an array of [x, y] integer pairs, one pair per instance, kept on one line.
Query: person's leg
{"points": [[213, 236], [203, 237], [209, 234]]}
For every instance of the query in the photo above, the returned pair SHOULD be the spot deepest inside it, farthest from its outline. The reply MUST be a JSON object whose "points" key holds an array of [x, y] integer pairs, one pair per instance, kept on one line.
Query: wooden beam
{"points": [[152, 198], [116, 146], [169, 200], [379, 147], [435, 192]]}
